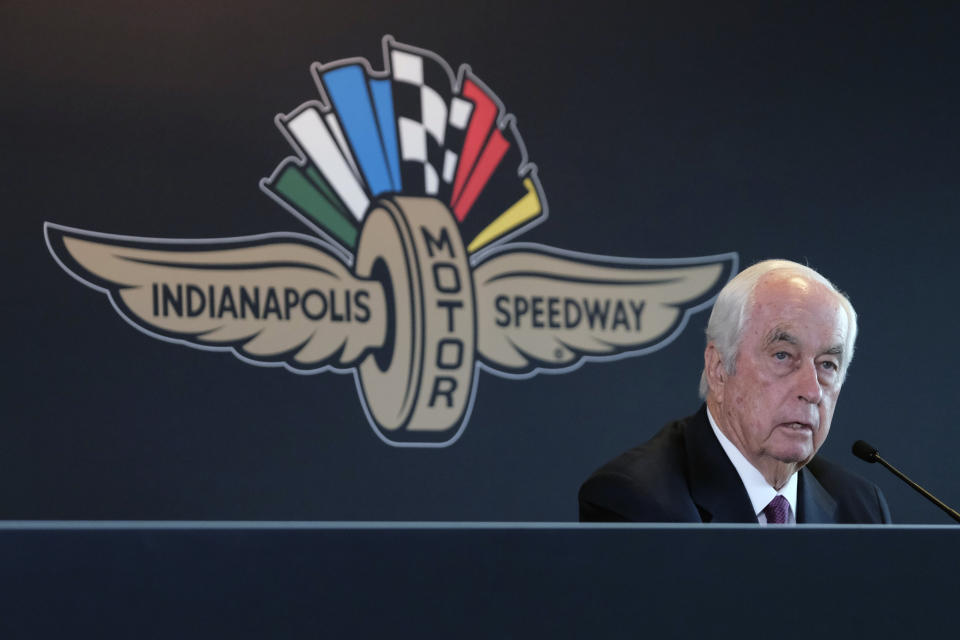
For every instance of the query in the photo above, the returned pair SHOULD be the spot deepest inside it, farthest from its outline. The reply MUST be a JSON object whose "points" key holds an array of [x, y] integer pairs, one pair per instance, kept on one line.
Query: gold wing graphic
{"points": [[541, 308], [274, 298]]}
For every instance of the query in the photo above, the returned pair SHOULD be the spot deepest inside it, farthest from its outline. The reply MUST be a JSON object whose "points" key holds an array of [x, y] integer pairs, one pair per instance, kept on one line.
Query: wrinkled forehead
{"points": [[792, 307]]}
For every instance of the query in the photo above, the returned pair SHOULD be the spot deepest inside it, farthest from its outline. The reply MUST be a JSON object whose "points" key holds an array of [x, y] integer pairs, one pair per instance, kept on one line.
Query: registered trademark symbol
{"points": [[558, 354]]}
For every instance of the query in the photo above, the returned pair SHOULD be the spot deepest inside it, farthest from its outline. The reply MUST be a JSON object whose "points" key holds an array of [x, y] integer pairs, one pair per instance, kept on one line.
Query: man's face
{"points": [[778, 403]]}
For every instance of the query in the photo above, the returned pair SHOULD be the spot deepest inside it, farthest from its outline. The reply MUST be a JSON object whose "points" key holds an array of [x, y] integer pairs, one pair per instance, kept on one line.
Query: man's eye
{"points": [[829, 364], [781, 355]]}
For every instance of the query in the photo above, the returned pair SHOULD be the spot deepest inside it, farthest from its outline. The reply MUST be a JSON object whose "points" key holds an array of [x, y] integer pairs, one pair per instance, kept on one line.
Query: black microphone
{"points": [[865, 452]]}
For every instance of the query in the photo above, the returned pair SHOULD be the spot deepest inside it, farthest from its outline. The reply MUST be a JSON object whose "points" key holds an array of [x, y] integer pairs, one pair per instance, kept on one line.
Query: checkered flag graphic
{"points": [[430, 121], [413, 129], [460, 111]]}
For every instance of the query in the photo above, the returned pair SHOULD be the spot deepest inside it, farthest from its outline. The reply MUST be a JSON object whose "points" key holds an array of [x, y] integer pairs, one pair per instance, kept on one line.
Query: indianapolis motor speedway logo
{"points": [[413, 182]]}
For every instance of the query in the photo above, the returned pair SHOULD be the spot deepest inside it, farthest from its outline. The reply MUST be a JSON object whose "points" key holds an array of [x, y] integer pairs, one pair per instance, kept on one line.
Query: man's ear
{"points": [[716, 371]]}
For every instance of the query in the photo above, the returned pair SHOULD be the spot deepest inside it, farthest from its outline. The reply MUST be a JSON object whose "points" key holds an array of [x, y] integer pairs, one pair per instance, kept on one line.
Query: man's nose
{"points": [[808, 384]]}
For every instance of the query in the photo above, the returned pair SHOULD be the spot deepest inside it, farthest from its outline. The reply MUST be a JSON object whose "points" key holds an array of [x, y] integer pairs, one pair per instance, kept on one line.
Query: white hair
{"points": [[731, 312]]}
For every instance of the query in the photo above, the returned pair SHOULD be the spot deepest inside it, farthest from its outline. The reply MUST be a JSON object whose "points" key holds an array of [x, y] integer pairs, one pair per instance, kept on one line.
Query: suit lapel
{"points": [[814, 504], [715, 485]]}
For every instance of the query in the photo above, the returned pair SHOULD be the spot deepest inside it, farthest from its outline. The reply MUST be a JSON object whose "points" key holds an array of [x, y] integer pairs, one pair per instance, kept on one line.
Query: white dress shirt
{"points": [[759, 490]]}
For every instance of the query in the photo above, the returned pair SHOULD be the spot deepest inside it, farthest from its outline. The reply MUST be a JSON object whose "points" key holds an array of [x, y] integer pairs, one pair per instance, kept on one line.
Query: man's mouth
{"points": [[798, 426]]}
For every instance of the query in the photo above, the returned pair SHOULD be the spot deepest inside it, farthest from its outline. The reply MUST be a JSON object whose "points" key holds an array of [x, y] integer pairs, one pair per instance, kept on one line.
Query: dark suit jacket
{"points": [[684, 475]]}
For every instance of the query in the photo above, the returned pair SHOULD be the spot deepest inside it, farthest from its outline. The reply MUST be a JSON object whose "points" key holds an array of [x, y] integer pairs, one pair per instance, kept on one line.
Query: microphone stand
{"points": [[926, 494]]}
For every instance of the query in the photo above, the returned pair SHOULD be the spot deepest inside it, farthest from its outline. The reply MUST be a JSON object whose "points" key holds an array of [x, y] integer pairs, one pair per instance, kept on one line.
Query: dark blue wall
{"points": [[822, 135]]}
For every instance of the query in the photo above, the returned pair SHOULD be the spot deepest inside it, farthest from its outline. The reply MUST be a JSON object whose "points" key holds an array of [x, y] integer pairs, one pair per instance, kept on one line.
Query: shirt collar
{"points": [[758, 489]]}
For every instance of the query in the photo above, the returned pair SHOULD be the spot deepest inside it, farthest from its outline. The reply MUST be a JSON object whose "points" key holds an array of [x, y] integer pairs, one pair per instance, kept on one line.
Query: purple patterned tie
{"points": [[777, 510]]}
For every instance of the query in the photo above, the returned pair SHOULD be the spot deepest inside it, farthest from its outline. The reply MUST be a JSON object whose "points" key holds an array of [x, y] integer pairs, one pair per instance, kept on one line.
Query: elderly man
{"points": [[779, 344]]}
